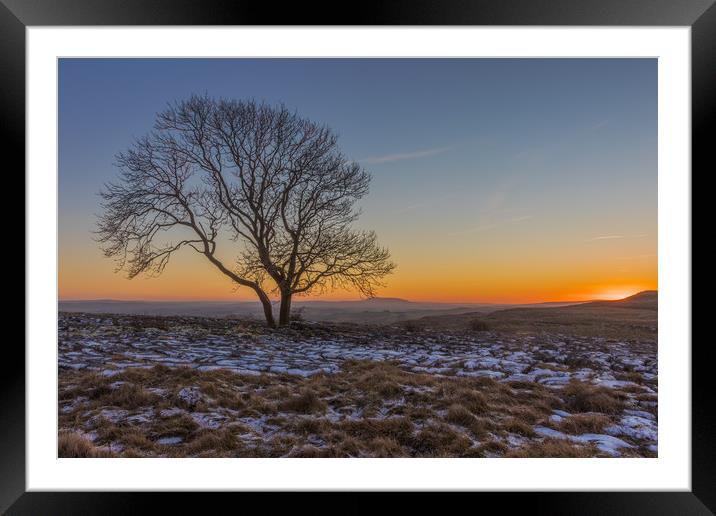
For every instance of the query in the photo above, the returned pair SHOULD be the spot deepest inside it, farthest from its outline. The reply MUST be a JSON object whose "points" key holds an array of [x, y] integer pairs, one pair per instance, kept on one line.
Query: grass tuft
{"points": [[552, 448], [74, 445], [306, 402], [584, 424], [585, 397]]}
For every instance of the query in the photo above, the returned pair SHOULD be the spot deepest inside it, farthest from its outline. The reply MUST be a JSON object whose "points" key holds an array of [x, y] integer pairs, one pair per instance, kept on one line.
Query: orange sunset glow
{"points": [[520, 276]]}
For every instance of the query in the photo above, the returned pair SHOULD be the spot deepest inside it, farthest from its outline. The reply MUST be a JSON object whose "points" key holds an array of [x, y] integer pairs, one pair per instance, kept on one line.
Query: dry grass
{"points": [[583, 424], [515, 426], [74, 445], [128, 396], [472, 400], [441, 440], [553, 448], [585, 397], [493, 448], [368, 409], [459, 415], [400, 429], [306, 402]]}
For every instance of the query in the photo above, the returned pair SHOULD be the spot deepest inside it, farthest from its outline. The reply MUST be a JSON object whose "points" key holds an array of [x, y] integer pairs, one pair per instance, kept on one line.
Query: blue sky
{"points": [[458, 148]]}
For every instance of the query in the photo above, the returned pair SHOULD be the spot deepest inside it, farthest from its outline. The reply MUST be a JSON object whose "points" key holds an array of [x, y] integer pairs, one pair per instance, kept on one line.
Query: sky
{"points": [[493, 180]]}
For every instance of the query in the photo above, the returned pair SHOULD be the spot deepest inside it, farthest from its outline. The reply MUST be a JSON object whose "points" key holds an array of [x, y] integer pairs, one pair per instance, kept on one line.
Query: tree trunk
{"points": [[268, 309], [285, 310]]}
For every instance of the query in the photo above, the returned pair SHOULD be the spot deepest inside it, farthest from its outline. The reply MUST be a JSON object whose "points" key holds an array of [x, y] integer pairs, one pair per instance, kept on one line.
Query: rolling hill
{"points": [[646, 300], [634, 317]]}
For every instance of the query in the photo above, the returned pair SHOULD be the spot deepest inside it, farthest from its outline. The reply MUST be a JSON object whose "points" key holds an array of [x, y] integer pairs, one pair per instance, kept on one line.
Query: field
{"points": [[577, 381]]}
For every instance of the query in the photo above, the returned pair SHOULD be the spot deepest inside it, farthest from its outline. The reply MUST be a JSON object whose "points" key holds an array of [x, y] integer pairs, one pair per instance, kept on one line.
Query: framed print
{"points": [[425, 249]]}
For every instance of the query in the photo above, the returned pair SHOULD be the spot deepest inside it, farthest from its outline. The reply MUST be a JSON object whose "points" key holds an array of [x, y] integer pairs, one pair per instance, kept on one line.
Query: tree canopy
{"points": [[216, 171]]}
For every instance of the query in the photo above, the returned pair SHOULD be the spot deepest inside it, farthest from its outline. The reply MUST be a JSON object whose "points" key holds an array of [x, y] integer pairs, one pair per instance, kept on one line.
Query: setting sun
{"points": [[611, 295]]}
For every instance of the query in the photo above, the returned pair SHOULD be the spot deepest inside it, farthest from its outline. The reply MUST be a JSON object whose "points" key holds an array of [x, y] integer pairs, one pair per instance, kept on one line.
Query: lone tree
{"points": [[216, 171]]}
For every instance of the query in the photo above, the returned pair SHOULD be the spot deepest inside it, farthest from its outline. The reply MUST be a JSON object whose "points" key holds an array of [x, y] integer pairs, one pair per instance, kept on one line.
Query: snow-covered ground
{"points": [[95, 342], [111, 344]]}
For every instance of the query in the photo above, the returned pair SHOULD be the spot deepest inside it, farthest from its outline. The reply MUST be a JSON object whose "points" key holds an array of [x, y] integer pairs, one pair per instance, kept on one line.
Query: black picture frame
{"points": [[700, 15]]}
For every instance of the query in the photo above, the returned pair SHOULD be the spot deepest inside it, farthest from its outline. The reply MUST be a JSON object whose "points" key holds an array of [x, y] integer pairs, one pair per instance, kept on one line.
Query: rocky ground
{"points": [[195, 386]]}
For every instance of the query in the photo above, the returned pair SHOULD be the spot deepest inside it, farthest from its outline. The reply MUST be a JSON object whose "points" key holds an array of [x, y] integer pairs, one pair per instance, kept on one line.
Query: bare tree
{"points": [[216, 171]]}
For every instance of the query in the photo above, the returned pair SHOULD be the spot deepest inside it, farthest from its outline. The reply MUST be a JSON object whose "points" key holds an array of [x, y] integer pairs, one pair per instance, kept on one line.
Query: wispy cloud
{"points": [[614, 237], [607, 237], [390, 158]]}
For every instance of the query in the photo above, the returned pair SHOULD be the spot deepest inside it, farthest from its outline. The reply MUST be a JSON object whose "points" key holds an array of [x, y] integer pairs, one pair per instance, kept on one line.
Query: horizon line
{"points": [[353, 300]]}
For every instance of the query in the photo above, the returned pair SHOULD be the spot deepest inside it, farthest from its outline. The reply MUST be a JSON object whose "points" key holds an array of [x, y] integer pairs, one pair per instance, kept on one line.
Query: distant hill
{"points": [[386, 300], [377, 311], [191, 308], [634, 317], [646, 300]]}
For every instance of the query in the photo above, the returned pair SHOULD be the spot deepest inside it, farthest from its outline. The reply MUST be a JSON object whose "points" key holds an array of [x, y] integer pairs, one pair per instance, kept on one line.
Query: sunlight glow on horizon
{"points": [[203, 287], [598, 296]]}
